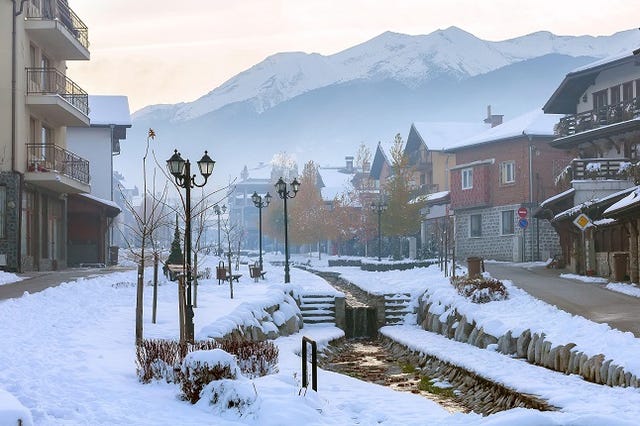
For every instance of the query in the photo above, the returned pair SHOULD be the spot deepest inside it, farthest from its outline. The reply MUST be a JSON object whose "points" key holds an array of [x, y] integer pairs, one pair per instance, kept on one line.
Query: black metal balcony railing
{"points": [[50, 81], [597, 168], [608, 114], [52, 158], [59, 10]]}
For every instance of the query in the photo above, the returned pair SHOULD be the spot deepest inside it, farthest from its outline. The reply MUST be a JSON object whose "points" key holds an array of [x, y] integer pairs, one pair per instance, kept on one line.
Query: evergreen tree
{"points": [[176, 256]]}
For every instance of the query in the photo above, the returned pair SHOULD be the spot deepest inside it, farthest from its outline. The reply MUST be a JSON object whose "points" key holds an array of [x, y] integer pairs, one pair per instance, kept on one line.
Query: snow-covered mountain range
{"points": [[322, 108], [409, 60]]}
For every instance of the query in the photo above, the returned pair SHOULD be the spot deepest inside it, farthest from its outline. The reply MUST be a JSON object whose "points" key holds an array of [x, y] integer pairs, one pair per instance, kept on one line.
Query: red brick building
{"points": [[497, 172]]}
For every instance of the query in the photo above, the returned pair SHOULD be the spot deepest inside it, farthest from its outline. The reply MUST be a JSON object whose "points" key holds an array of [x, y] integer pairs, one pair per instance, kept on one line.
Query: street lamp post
{"points": [[219, 210], [181, 171], [260, 202], [379, 207], [281, 189]]}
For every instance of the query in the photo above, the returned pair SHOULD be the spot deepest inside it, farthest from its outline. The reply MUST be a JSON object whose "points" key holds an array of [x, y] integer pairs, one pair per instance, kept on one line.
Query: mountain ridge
{"points": [[411, 60]]}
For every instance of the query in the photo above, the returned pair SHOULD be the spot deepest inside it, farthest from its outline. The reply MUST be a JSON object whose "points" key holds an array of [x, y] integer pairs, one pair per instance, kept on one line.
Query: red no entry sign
{"points": [[522, 212]]}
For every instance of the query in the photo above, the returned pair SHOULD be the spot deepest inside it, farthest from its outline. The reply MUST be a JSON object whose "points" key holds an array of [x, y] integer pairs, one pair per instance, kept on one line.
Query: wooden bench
{"points": [[256, 272], [234, 277]]}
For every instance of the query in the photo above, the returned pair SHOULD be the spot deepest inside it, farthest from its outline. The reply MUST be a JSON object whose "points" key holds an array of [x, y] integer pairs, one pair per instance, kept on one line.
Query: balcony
{"points": [[593, 119], [57, 29], [53, 96], [57, 169], [598, 168]]}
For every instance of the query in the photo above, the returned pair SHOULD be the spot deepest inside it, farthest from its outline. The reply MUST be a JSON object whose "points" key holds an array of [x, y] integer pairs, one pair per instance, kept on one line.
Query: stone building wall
{"points": [[9, 245]]}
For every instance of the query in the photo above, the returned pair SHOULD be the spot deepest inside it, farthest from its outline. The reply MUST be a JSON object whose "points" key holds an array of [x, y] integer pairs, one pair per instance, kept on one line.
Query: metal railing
{"points": [[597, 168], [608, 114], [50, 81], [60, 11], [51, 158]]}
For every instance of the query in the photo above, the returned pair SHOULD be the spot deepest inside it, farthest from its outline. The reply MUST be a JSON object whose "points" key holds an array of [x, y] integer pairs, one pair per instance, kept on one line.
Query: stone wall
{"points": [[268, 324], [9, 245], [533, 347], [539, 244]]}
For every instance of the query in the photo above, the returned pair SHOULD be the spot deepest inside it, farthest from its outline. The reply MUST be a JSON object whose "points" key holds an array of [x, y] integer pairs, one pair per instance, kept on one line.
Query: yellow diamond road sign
{"points": [[582, 221]]}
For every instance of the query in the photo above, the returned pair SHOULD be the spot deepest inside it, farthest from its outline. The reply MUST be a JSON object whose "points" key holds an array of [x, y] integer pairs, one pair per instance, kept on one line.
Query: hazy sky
{"points": [[160, 51]]}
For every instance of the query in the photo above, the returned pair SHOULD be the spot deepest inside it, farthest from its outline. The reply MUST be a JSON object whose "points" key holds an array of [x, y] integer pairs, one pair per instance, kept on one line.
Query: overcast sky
{"points": [[160, 51]]}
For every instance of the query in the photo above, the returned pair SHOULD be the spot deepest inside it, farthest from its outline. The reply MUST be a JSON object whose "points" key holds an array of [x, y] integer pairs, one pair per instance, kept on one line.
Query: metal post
{"points": [[379, 234], [187, 241], [260, 233], [287, 278], [219, 245]]}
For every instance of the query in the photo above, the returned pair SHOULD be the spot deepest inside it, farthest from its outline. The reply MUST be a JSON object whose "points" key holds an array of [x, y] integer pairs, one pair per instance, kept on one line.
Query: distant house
{"points": [[500, 176], [91, 217], [601, 132]]}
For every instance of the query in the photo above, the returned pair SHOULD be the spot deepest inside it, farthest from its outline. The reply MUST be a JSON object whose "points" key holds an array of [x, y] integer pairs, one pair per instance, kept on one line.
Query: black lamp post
{"points": [[379, 207], [219, 210], [260, 202], [181, 171], [281, 189]]}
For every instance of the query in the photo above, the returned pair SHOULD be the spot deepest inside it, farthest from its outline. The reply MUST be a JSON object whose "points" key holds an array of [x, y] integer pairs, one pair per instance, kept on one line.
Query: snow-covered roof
{"points": [[105, 110], [261, 171], [442, 135], [595, 201], [335, 182], [633, 199], [107, 203], [557, 197], [533, 123]]}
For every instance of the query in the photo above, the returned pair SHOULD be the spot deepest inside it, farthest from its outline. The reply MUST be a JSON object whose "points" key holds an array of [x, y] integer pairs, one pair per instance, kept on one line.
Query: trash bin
{"points": [[113, 255], [620, 266], [473, 266]]}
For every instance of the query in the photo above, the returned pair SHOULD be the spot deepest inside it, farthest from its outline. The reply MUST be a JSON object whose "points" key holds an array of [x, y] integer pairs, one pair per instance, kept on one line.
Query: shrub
{"points": [[480, 290], [200, 368], [161, 359]]}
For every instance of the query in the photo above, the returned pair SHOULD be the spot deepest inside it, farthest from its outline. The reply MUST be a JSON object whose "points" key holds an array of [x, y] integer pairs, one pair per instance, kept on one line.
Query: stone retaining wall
{"points": [[533, 347], [476, 393]]}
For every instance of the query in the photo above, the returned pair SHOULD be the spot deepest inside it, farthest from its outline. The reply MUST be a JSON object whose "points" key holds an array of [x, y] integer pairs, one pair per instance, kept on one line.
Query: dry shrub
{"points": [[480, 290], [195, 375], [161, 359]]}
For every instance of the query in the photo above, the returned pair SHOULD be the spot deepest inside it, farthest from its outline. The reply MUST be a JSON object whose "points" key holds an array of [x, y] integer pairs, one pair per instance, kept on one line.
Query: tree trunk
{"points": [[155, 288], [139, 301]]}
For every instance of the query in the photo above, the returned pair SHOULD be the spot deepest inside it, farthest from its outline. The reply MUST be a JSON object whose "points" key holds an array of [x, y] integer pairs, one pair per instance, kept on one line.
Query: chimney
{"points": [[349, 161], [494, 120]]}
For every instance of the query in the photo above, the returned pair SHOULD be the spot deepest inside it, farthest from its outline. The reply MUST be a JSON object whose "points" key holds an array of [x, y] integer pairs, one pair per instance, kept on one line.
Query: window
{"points": [[508, 172], [467, 178], [615, 94], [627, 91], [635, 151], [599, 99], [507, 225], [3, 211], [475, 228]]}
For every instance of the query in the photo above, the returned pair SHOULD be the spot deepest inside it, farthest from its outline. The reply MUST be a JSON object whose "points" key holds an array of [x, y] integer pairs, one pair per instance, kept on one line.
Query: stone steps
{"points": [[396, 307], [318, 309]]}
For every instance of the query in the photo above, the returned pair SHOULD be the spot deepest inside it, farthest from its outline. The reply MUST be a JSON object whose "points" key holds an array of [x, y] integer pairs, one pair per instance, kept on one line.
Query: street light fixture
{"points": [[181, 171], [281, 189], [379, 207], [219, 211], [260, 202]]}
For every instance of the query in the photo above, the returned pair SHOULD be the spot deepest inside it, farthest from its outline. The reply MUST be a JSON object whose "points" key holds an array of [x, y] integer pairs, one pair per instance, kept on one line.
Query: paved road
{"points": [[34, 282], [592, 301]]}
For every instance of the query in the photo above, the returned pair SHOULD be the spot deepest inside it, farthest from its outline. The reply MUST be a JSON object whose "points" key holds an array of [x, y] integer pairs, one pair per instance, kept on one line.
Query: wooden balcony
{"points": [[597, 168], [593, 119], [55, 27], [57, 169], [55, 97]]}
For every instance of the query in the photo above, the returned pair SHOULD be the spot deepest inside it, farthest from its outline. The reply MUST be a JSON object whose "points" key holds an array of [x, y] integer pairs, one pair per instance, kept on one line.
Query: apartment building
{"points": [[38, 101]]}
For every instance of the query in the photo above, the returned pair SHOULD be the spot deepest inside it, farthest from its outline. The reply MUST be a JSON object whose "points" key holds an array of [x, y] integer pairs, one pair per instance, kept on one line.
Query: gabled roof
{"points": [[334, 182], [575, 83], [534, 124], [441, 135], [381, 156], [626, 204], [109, 110]]}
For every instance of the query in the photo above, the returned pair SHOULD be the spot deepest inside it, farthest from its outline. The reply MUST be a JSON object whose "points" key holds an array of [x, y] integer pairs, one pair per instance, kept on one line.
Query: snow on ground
{"points": [[625, 288], [584, 278], [8, 278], [68, 356]]}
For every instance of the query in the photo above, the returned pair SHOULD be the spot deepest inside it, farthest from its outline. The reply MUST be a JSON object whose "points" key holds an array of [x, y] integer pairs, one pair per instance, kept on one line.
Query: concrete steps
{"points": [[396, 307], [318, 309]]}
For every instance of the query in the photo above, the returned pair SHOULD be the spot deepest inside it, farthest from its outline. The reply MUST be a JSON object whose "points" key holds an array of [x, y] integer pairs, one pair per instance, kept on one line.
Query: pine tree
{"points": [[175, 256]]}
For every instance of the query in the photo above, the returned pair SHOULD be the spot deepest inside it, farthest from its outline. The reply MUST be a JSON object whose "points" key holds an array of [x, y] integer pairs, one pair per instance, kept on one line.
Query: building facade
{"points": [[39, 102], [501, 175]]}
